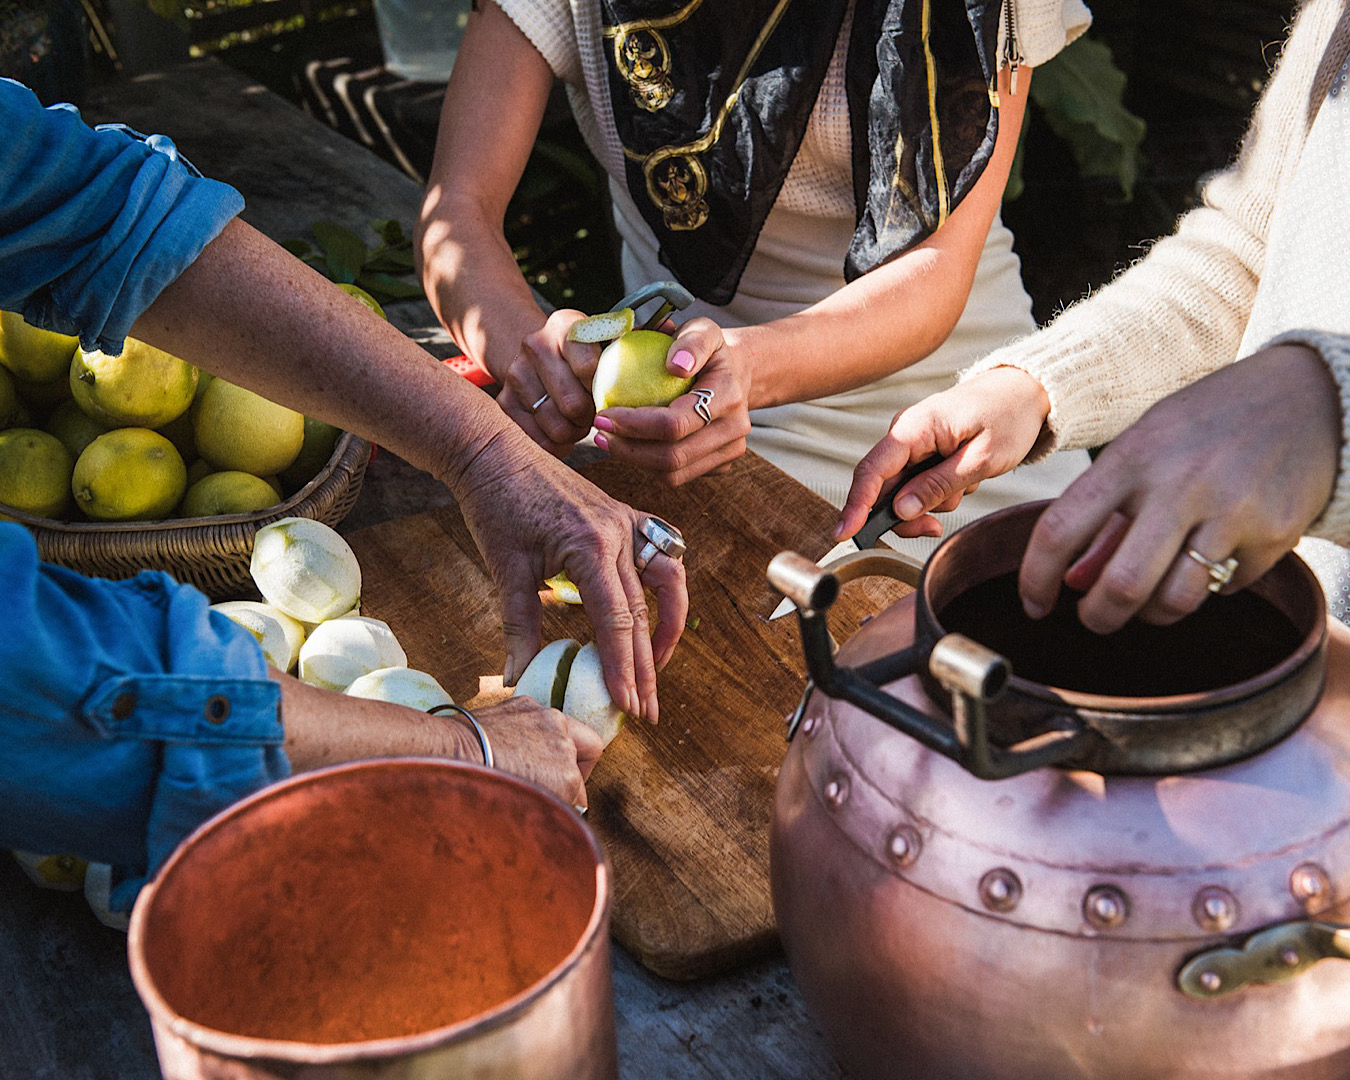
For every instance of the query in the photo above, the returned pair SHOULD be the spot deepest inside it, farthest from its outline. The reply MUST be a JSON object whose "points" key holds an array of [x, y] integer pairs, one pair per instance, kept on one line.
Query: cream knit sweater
{"points": [[1191, 305]]}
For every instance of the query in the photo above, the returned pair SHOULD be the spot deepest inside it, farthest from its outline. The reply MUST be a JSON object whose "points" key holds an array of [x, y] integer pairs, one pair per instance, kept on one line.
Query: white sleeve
{"points": [[1042, 27], [550, 27]]}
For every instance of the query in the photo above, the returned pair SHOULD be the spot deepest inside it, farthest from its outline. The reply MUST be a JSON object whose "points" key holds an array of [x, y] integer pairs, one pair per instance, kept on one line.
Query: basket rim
{"points": [[348, 452]]}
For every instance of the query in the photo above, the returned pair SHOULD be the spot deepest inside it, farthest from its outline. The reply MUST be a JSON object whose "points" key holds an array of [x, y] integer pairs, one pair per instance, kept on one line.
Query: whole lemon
{"points": [[44, 395], [131, 474], [320, 439], [9, 400], [632, 372], [144, 387], [32, 354], [238, 429], [34, 472], [227, 493], [74, 427]]}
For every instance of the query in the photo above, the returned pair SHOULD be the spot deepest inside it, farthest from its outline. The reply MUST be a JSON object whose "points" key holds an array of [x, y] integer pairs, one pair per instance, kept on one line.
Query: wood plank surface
{"points": [[683, 807]]}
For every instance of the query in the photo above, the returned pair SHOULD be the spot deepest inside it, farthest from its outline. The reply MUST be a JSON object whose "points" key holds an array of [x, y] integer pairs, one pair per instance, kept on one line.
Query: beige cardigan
{"points": [[1182, 311]]}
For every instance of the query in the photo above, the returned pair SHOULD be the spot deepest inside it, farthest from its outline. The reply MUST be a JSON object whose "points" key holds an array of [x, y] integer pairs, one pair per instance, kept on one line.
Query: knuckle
{"points": [[1055, 527], [1123, 586]]}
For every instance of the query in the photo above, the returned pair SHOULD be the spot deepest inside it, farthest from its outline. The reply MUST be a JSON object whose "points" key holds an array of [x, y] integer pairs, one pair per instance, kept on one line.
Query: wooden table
{"points": [[67, 1006]]}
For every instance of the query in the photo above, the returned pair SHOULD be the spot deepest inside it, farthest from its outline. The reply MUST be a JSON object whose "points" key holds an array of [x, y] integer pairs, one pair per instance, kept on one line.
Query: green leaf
{"points": [[390, 261], [386, 287], [1080, 92], [390, 231], [343, 250]]}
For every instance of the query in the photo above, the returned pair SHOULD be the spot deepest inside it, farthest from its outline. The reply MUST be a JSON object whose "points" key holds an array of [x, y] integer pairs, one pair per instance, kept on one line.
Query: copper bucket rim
{"points": [[1311, 646], [249, 1047]]}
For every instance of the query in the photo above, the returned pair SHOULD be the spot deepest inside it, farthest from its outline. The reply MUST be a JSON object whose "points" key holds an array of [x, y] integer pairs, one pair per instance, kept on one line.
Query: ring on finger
{"points": [[658, 537], [535, 406], [704, 397], [1220, 573]]}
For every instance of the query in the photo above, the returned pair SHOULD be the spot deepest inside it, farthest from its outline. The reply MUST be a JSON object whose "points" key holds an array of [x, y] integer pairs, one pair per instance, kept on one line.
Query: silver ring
{"points": [[472, 721], [535, 406], [660, 536], [701, 405], [1220, 573]]}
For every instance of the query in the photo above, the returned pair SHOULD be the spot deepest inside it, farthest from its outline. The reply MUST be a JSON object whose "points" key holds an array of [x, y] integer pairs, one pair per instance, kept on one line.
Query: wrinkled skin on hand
{"points": [[673, 441], [1238, 464], [542, 745], [532, 516]]}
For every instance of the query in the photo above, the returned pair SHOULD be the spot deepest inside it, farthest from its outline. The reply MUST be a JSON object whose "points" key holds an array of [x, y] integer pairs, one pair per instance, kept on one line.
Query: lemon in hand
{"points": [[144, 387], [632, 372], [34, 355], [34, 472], [238, 429], [131, 474]]}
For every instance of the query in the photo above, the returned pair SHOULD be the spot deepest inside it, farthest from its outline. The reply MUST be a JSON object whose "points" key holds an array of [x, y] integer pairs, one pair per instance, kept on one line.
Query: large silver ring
{"points": [[701, 405], [535, 407], [1220, 573], [472, 721], [659, 537]]}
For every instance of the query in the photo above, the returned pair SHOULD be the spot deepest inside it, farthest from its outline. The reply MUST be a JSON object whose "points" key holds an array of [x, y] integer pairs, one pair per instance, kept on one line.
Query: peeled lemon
{"points": [[35, 471], [227, 493], [587, 698], [632, 372], [238, 429], [279, 635], [32, 354], [144, 387], [340, 651], [129, 474], [545, 677], [402, 686], [305, 569]]}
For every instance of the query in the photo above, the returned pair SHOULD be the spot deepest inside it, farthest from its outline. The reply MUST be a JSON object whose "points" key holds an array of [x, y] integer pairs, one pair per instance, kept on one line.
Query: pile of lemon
{"points": [[140, 437]]}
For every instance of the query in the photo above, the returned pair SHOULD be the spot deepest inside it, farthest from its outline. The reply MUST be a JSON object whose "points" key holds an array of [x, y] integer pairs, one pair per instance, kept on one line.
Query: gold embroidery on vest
{"points": [[677, 182], [642, 57]]}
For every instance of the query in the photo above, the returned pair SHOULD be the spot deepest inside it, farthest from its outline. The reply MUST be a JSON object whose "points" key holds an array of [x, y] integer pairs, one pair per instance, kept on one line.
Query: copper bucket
{"points": [[410, 918]]}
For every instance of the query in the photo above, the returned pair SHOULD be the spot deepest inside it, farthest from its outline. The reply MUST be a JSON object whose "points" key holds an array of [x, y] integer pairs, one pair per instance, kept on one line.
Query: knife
{"points": [[881, 520]]}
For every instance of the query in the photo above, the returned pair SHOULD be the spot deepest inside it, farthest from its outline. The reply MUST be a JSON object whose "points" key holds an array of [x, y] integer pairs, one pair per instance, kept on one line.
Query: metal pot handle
{"points": [[1272, 955], [973, 674]]}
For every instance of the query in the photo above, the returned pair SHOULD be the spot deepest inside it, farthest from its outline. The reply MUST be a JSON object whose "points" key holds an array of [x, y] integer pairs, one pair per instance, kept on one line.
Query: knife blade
{"points": [[880, 520]]}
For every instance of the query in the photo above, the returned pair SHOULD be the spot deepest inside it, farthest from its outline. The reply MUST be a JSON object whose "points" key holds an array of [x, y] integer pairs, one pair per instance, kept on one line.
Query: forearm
{"points": [[325, 728], [342, 363]]}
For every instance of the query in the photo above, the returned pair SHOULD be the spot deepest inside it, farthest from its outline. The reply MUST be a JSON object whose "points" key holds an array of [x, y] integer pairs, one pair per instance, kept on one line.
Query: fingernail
{"points": [[509, 674], [838, 533], [602, 440], [653, 710], [604, 423], [1034, 609], [683, 361], [910, 507]]}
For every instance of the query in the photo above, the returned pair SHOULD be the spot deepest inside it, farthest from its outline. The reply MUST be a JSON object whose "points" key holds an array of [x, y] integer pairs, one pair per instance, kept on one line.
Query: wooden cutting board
{"points": [[683, 808]]}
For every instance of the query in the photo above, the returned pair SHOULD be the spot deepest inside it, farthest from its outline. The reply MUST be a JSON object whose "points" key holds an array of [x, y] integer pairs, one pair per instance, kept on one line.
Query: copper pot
{"points": [[1135, 898], [402, 918]]}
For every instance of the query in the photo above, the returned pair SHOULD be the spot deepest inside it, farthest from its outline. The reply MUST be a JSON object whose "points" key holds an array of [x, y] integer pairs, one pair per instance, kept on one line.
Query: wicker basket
{"points": [[210, 553]]}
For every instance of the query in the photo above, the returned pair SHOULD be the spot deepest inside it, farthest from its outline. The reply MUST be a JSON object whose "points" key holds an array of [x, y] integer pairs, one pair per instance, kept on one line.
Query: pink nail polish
{"points": [[604, 423], [683, 360], [602, 440]]}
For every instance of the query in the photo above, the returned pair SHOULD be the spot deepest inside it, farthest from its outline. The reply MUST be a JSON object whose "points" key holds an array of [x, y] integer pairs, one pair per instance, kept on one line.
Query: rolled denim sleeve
{"points": [[94, 223], [130, 713]]}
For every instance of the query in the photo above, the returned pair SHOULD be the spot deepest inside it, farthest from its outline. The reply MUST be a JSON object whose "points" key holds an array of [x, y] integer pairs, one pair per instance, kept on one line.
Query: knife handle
{"points": [[883, 518]]}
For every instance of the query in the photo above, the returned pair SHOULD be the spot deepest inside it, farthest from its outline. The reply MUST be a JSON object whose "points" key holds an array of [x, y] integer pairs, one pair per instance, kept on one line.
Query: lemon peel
{"points": [[606, 326], [564, 588]]}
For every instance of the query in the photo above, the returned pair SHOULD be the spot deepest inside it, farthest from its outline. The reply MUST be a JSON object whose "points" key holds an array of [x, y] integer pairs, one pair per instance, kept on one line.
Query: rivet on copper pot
{"points": [[1105, 907], [810, 726], [1210, 981], [1289, 956], [836, 792], [1000, 890], [904, 845], [1310, 885], [1215, 909]]}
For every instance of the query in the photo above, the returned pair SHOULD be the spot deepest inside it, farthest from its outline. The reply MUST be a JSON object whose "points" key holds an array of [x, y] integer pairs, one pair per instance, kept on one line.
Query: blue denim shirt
{"points": [[129, 713], [94, 223]]}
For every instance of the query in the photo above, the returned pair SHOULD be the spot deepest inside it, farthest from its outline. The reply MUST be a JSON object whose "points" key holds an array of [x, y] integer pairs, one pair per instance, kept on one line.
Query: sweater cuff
{"points": [[1334, 522]]}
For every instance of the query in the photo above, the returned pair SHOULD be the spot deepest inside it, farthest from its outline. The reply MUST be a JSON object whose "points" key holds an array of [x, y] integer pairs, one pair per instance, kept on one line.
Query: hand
{"points": [[982, 427], [1237, 464], [542, 745], [674, 441], [550, 364], [531, 516]]}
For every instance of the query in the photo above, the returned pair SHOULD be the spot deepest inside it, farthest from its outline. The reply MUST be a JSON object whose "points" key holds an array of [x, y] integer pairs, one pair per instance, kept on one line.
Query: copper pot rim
{"points": [[1309, 648], [231, 1045]]}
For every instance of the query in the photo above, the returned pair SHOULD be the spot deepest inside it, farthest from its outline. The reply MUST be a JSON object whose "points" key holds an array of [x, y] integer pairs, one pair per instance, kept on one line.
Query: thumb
{"points": [[522, 617], [693, 347]]}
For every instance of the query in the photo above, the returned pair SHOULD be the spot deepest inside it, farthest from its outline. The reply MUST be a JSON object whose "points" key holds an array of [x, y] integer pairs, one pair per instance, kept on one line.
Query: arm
{"points": [[888, 319]]}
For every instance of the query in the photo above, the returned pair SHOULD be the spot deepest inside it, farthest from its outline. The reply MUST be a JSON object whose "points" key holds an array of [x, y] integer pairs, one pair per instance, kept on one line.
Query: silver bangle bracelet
{"points": [[472, 721]]}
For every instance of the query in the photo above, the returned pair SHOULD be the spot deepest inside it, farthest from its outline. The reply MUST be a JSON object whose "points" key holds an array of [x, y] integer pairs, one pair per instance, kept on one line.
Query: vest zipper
{"points": [[1011, 53]]}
